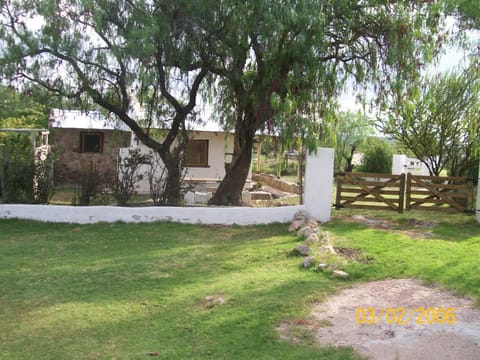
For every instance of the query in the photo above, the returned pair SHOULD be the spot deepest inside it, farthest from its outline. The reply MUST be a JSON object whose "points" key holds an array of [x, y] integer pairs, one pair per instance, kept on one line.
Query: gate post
{"points": [[319, 183]]}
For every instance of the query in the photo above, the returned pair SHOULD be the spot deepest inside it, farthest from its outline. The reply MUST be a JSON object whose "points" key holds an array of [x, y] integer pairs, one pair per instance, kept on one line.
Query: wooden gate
{"points": [[439, 193], [370, 191]]}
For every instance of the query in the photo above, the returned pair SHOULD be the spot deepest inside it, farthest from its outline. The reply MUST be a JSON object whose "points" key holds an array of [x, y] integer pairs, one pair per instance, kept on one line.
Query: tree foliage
{"points": [[439, 122], [377, 156], [110, 52], [306, 50], [346, 135]]}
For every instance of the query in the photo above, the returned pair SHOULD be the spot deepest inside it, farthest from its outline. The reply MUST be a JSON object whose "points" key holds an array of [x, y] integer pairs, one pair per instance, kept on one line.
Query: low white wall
{"points": [[318, 194], [186, 215]]}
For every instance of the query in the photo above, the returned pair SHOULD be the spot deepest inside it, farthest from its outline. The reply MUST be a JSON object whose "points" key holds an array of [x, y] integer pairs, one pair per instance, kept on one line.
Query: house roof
{"points": [[95, 120], [77, 119]]}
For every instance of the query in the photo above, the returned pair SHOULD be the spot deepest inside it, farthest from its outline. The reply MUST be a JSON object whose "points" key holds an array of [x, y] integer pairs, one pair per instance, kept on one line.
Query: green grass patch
{"points": [[182, 291]]}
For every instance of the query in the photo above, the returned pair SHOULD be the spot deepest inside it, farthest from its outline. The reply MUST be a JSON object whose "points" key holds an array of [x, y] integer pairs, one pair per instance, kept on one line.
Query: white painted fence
{"points": [[318, 193]]}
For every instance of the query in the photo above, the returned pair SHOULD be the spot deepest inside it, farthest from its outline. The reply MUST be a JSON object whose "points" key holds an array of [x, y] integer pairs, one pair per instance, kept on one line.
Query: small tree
{"points": [[439, 122], [377, 157], [125, 181]]}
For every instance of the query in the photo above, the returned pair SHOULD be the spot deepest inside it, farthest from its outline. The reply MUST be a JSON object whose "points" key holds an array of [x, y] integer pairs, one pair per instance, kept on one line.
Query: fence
{"points": [[370, 191], [394, 192]]}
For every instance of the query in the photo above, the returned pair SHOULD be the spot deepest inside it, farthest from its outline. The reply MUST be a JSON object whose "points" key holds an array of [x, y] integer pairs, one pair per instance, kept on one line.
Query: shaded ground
{"points": [[334, 322]]}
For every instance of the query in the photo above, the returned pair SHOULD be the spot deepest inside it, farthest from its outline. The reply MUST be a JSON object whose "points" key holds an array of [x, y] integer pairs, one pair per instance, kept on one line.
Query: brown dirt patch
{"points": [[416, 229], [333, 322]]}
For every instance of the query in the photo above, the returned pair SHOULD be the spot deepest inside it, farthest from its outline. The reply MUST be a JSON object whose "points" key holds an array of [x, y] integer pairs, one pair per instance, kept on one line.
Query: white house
{"points": [[403, 164], [209, 148], [82, 137]]}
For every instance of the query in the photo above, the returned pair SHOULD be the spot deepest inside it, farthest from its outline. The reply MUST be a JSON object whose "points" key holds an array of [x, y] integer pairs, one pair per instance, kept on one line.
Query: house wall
{"points": [[219, 146], [403, 164], [71, 160]]}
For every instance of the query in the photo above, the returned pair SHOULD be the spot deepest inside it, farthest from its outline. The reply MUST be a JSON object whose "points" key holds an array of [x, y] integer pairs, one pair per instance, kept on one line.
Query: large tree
{"points": [[439, 122], [269, 48], [109, 51]]}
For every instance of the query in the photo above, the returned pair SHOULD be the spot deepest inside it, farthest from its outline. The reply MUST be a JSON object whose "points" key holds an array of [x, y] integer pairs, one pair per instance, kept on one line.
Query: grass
{"points": [[122, 290]]}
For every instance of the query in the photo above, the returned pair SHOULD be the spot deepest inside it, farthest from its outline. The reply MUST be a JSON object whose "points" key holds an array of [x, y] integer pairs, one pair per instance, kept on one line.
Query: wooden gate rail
{"points": [[368, 191], [439, 193]]}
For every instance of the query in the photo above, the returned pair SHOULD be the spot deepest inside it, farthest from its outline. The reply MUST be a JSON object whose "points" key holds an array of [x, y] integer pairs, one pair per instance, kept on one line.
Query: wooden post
{"points": [[401, 193], [408, 191]]}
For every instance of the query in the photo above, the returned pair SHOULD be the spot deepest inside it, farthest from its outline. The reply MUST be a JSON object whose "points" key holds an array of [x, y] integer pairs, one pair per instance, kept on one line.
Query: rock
{"points": [[308, 262], [328, 249], [306, 232], [246, 198], [260, 195], [340, 274], [303, 250], [322, 266], [312, 223], [295, 225], [312, 239], [303, 216]]}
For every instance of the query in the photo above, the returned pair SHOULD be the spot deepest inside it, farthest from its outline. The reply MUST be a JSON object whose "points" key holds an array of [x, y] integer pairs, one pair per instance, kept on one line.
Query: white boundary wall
{"points": [[318, 194]]}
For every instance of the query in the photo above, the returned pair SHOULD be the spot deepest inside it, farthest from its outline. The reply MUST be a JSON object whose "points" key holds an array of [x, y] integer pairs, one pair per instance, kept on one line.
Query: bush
{"points": [[377, 157], [17, 169], [124, 183], [92, 185]]}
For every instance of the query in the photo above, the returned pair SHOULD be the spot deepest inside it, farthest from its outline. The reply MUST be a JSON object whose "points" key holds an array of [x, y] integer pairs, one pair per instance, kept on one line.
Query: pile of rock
{"points": [[312, 237]]}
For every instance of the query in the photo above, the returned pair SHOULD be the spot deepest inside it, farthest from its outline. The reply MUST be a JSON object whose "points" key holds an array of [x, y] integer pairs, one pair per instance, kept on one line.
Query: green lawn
{"points": [[120, 291]]}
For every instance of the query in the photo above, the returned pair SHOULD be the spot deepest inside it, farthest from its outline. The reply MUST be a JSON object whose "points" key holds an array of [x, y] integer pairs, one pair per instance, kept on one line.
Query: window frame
{"points": [[83, 134], [205, 147]]}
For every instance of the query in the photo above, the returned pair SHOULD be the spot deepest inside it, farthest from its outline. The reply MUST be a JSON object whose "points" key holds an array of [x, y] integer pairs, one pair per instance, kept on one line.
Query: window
{"points": [[91, 142], [196, 154]]}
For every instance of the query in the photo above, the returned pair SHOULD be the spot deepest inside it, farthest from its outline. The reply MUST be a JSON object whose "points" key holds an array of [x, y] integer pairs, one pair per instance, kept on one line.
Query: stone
{"points": [[246, 198], [322, 266], [308, 262], [295, 225], [302, 215], [340, 274], [305, 232], [312, 239], [260, 195], [303, 250]]}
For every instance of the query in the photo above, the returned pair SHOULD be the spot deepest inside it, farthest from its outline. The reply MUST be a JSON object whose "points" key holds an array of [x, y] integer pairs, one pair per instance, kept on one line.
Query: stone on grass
{"points": [[295, 225], [302, 215], [303, 250], [308, 262], [340, 274], [312, 239], [306, 232], [322, 266]]}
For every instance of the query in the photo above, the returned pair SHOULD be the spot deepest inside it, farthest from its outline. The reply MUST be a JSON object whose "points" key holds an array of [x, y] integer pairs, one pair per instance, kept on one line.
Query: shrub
{"points": [[377, 157], [124, 183], [92, 185], [17, 169]]}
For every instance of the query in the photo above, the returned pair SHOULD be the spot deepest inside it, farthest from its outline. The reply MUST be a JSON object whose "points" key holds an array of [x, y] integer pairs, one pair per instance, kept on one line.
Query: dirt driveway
{"points": [[338, 321]]}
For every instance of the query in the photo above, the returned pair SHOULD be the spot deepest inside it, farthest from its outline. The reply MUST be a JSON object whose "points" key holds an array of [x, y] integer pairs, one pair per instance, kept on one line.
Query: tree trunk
{"points": [[230, 189], [173, 183]]}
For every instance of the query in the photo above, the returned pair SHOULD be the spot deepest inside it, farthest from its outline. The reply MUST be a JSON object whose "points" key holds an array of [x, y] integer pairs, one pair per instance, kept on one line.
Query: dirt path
{"points": [[334, 322]]}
